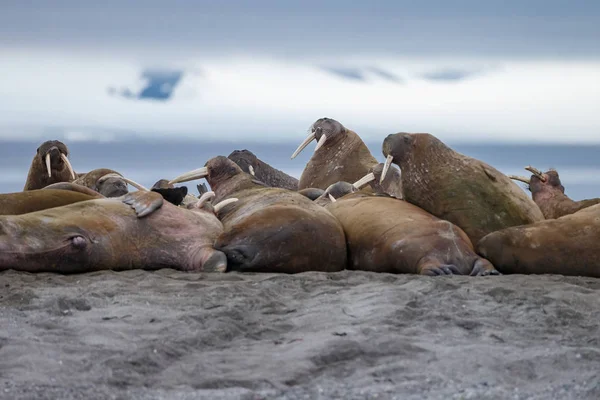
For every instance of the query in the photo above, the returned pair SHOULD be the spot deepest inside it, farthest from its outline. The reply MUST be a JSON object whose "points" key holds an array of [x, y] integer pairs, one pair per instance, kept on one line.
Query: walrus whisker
{"points": [[332, 198], [190, 176], [223, 203], [135, 184], [536, 172], [321, 142], [69, 166], [305, 143], [251, 169], [519, 178], [386, 167], [48, 165], [364, 180]]}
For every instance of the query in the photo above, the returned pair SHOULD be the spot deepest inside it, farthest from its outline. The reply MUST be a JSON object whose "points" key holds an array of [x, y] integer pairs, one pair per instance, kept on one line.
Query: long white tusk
{"points": [[48, 165], [520, 178], [223, 203], [251, 169], [135, 184], [332, 198], [205, 197], [536, 172], [386, 166], [66, 160], [111, 175], [364, 180], [190, 176], [321, 142], [306, 142]]}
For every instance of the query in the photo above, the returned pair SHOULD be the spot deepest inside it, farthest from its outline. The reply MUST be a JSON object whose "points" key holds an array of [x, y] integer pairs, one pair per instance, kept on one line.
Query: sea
{"points": [[148, 161]]}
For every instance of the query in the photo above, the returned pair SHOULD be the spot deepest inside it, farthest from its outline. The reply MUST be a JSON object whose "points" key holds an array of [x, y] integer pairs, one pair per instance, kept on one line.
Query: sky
{"points": [[512, 71]]}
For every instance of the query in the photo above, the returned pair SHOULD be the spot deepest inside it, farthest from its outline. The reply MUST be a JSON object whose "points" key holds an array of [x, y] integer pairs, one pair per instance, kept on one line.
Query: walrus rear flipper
{"points": [[144, 203], [483, 267], [240, 258], [431, 266]]}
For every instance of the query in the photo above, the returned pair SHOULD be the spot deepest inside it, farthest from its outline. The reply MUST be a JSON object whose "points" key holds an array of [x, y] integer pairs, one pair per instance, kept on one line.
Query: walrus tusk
{"points": [[364, 180], [251, 169], [223, 203], [48, 165], [135, 184], [519, 178], [190, 176], [386, 166], [332, 198], [129, 181], [204, 198], [306, 142], [536, 172], [69, 166], [321, 142]]}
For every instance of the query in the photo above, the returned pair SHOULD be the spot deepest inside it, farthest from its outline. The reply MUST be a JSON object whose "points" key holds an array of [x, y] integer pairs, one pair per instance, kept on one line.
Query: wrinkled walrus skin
{"points": [[40, 199], [567, 245], [551, 198], [138, 230], [385, 234], [342, 157], [463, 190], [109, 187], [271, 229]]}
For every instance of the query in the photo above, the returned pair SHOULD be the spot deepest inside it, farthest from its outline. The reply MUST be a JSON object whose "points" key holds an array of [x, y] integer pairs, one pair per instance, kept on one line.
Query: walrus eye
{"points": [[78, 242]]}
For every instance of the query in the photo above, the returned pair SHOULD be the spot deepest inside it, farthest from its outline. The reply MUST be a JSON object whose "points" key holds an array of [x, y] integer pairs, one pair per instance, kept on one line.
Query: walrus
{"points": [[567, 245], [169, 192], [548, 193], [340, 155], [137, 231], [391, 184], [55, 195], [335, 191], [385, 234], [463, 190], [107, 182], [252, 165], [270, 229], [49, 165], [311, 193]]}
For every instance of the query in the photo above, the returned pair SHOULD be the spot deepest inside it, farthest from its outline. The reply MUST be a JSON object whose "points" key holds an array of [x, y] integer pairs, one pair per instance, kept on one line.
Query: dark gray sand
{"points": [[350, 335]]}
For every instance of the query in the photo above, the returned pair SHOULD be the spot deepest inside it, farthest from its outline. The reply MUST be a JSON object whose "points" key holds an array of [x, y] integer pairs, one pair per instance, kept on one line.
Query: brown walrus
{"points": [[138, 230], [49, 165], [335, 191], [385, 234], [391, 184], [461, 189], [55, 195], [270, 229], [252, 165], [107, 182], [567, 245], [549, 194], [340, 155]]}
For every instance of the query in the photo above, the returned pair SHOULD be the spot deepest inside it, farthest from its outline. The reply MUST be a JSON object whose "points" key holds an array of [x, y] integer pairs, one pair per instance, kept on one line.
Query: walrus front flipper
{"points": [[433, 267], [73, 187], [144, 203], [202, 188], [240, 258], [483, 267]]}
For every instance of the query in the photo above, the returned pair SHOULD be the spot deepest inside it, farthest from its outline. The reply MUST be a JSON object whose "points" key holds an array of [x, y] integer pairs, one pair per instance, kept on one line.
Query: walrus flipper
{"points": [[483, 267], [174, 196], [202, 188], [144, 203]]}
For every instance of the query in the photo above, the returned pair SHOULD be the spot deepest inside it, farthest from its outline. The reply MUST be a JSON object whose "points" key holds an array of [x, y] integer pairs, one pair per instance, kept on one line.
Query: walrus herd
{"points": [[426, 210]]}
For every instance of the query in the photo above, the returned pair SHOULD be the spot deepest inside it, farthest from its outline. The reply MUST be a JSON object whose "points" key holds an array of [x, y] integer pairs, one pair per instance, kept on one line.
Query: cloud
{"points": [[152, 85], [450, 74], [362, 74], [269, 99]]}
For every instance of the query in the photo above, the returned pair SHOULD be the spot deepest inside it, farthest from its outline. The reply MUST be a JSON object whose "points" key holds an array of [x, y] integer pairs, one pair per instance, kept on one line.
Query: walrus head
{"points": [[539, 181], [245, 159], [323, 130], [53, 154], [339, 189], [395, 148]]}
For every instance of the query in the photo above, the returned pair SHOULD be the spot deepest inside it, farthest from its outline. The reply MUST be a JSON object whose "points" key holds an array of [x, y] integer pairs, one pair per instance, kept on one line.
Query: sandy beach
{"points": [[351, 335]]}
